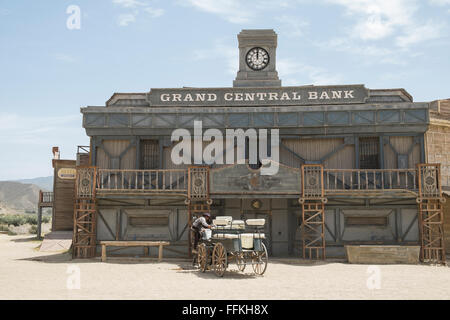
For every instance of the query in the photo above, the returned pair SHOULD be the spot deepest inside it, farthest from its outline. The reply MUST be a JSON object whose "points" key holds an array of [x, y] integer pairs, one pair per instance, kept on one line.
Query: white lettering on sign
{"points": [[312, 95], [259, 96], [349, 94]]}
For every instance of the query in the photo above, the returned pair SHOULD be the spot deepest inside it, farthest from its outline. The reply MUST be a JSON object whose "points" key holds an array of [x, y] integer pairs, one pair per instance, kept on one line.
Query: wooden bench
{"points": [[145, 244]]}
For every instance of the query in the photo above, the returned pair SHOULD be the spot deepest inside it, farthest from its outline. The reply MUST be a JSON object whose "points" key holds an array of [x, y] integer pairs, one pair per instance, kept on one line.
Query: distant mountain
{"points": [[45, 183], [17, 196]]}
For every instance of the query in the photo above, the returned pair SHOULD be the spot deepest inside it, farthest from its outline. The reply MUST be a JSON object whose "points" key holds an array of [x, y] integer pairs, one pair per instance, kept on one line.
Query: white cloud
{"points": [[128, 3], [125, 19], [155, 13], [377, 19], [221, 52], [293, 72], [440, 2], [385, 30], [231, 10], [420, 33], [373, 53], [295, 27]]}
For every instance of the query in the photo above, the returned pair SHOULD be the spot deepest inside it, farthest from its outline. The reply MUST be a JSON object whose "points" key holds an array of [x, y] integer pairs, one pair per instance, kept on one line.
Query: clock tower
{"points": [[257, 59]]}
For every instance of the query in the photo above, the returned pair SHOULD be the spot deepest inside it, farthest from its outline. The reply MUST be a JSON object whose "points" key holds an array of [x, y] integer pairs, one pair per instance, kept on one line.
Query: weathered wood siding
{"points": [[167, 160], [401, 146], [116, 154], [317, 149], [63, 193]]}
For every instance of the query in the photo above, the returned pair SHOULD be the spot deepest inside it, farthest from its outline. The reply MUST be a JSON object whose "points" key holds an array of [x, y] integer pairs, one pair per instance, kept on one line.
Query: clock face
{"points": [[257, 58]]}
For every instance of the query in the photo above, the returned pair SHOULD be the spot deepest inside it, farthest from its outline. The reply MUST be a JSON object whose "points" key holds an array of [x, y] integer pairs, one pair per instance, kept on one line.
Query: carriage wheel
{"points": [[202, 257], [219, 259], [240, 261], [259, 260]]}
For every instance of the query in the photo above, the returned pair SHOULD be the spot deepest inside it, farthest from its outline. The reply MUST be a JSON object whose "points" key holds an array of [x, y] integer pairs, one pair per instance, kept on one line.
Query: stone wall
{"points": [[446, 207], [438, 149]]}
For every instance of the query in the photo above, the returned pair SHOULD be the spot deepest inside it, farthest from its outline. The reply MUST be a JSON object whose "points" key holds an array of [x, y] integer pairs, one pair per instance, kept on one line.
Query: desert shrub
{"points": [[15, 220], [31, 219], [33, 229], [4, 227], [18, 219]]}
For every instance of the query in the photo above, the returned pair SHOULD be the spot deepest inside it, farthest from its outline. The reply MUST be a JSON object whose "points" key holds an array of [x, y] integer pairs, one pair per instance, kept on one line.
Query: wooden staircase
{"points": [[85, 214], [431, 218], [198, 200], [313, 212]]}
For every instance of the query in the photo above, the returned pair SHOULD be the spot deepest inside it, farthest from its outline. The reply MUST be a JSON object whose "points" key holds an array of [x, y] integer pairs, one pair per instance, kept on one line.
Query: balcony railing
{"points": [[335, 181], [142, 181], [45, 198], [370, 180]]}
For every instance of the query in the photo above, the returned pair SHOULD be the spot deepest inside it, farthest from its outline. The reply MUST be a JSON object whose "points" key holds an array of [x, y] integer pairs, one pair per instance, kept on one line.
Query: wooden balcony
{"points": [[139, 182], [370, 182], [316, 182], [45, 199]]}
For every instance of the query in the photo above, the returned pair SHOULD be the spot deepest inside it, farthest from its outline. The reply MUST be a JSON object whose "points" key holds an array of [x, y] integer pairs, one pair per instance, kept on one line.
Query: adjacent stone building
{"points": [[438, 151]]}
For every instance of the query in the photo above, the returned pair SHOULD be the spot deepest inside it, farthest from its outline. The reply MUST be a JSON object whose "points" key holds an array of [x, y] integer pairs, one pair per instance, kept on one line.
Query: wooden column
{"points": [[39, 222]]}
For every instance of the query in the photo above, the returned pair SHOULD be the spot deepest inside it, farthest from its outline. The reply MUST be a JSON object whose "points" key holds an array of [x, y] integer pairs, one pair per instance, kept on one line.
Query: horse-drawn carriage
{"points": [[232, 241]]}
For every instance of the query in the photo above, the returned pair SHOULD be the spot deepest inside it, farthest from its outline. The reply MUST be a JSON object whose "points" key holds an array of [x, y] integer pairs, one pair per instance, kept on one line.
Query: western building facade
{"points": [[352, 164]]}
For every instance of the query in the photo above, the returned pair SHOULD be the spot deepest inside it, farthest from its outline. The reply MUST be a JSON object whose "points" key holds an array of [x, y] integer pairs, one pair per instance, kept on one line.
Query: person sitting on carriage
{"points": [[203, 222]]}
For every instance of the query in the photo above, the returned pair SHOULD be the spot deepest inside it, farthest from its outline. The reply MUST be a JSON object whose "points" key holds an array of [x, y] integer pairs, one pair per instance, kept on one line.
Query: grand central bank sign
{"points": [[305, 95]]}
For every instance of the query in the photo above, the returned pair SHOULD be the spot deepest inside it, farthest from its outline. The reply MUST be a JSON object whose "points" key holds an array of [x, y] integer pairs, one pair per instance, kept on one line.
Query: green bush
{"points": [[4, 227], [33, 229], [20, 219]]}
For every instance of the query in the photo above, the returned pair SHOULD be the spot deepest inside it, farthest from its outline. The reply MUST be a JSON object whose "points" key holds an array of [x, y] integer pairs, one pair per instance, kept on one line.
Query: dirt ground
{"points": [[26, 273]]}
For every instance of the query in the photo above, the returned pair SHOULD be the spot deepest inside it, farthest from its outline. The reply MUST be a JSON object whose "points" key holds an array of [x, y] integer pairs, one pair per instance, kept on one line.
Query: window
{"points": [[149, 154], [365, 221], [369, 157]]}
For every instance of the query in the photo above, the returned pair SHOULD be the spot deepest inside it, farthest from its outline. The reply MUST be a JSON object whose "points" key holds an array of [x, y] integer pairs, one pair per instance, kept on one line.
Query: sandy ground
{"points": [[26, 273]]}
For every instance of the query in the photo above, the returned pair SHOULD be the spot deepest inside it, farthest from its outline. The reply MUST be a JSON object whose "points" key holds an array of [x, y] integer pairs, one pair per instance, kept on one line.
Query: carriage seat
{"points": [[225, 222], [256, 222], [225, 236]]}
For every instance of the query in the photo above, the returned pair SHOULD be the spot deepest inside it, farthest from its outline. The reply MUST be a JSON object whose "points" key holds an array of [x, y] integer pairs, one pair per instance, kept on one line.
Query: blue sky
{"points": [[47, 71]]}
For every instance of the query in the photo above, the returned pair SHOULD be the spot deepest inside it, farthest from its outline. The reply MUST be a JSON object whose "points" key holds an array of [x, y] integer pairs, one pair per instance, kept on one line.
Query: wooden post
{"points": [[103, 253], [39, 221], [146, 249], [160, 254]]}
